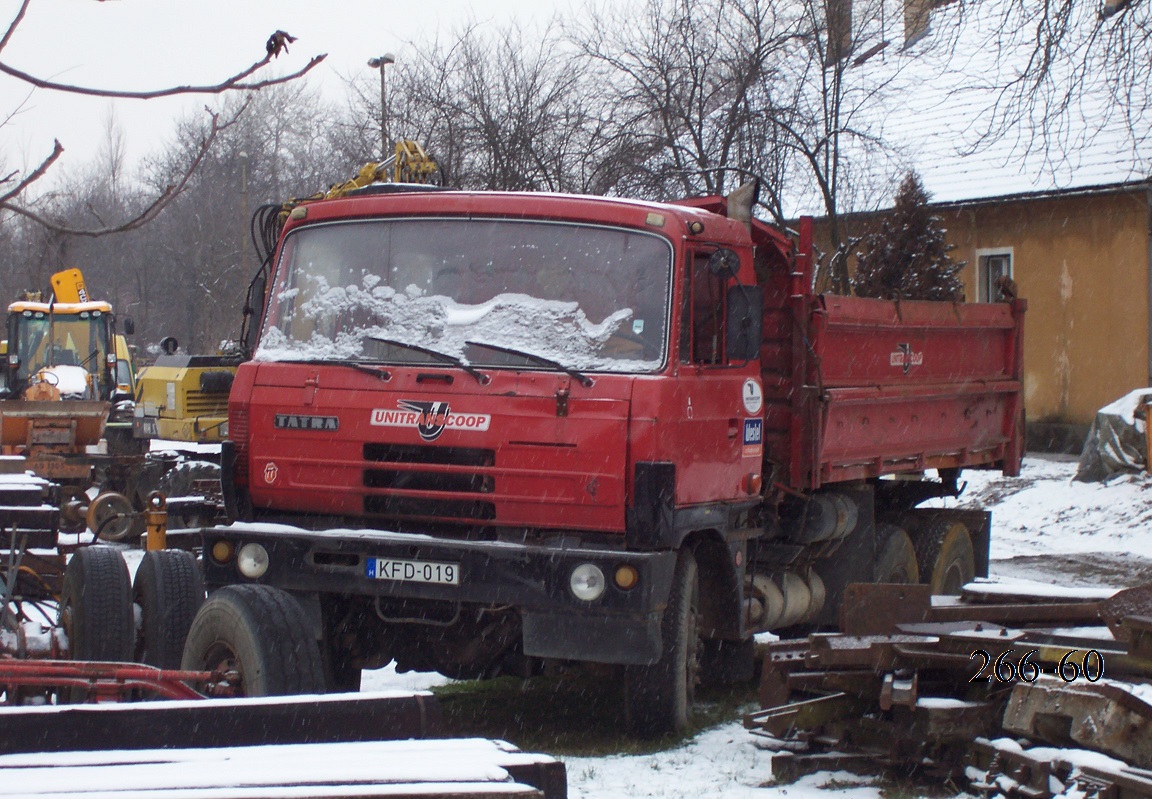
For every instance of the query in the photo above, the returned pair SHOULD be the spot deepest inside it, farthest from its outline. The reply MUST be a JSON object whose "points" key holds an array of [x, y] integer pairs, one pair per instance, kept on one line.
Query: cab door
{"points": [[719, 394]]}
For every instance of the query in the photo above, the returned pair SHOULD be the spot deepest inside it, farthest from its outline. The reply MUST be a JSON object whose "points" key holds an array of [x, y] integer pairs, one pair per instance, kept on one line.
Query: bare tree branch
{"points": [[276, 43], [15, 22], [170, 192], [33, 176], [234, 82]]}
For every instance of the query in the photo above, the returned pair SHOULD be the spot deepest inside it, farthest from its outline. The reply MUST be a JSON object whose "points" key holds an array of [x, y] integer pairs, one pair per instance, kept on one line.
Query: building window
{"points": [[991, 266]]}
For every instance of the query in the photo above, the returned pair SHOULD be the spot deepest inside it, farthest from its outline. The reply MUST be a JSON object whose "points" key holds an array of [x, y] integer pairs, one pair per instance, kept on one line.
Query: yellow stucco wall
{"points": [[1082, 262]]}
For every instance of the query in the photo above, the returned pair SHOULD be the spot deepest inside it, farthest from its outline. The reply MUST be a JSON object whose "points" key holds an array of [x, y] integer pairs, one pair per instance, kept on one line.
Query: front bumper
{"points": [[622, 626]]}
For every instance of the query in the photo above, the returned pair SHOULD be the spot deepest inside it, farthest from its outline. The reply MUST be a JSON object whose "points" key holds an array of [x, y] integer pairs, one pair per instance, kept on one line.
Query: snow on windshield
{"points": [[587, 297]]}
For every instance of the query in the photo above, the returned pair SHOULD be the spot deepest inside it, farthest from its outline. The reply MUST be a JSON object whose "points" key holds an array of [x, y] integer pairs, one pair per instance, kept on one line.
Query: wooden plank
{"points": [[219, 722], [456, 768]]}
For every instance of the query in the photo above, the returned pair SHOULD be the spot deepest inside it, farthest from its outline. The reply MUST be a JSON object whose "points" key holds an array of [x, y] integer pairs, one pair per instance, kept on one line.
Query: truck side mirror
{"points": [[745, 323], [724, 263], [253, 310], [129, 326]]}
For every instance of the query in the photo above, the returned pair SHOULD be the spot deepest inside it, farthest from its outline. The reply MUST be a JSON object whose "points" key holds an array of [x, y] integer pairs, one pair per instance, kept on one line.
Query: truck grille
{"points": [[404, 473]]}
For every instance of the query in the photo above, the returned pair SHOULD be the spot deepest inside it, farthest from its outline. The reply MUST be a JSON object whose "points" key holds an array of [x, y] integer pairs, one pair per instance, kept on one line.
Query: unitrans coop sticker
{"points": [[905, 357], [429, 418]]}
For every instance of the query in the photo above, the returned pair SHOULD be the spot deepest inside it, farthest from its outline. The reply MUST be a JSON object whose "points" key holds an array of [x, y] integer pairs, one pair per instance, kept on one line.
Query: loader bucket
{"points": [[74, 423]]}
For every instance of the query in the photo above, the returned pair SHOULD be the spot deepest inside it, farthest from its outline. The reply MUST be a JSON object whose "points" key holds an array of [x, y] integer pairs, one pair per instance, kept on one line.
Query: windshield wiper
{"points": [[443, 357], [584, 379], [383, 374]]}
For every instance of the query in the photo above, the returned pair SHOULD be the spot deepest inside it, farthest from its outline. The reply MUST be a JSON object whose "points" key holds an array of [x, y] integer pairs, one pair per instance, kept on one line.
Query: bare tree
{"points": [[186, 272], [1075, 70], [682, 77], [199, 256], [17, 184], [723, 89], [498, 109], [826, 109]]}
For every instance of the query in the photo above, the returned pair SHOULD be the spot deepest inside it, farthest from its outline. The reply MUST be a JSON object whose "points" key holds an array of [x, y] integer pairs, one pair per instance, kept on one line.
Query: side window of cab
{"points": [[702, 327]]}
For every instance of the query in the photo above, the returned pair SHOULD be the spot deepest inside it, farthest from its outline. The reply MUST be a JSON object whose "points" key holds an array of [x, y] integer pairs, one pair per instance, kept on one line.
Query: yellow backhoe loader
{"points": [[63, 390]]}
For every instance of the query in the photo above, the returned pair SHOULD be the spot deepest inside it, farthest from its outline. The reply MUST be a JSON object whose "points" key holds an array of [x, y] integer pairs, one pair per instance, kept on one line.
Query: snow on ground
{"points": [[1045, 511], [1041, 512]]}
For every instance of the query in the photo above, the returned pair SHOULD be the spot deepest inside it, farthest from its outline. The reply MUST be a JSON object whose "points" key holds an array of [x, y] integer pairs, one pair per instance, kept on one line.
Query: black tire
{"points": [[169, 590], [660, 696], [262, 633], [96, 606], [895, 556], [946, 556]]}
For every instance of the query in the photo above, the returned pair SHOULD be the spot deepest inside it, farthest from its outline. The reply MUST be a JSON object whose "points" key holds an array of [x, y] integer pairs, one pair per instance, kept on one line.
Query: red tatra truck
{"points": [[485, 430]]}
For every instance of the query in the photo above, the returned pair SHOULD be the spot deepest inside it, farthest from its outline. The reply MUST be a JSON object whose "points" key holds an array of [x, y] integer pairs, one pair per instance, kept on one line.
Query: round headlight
{"points": [[252, 561], [587, 582]]}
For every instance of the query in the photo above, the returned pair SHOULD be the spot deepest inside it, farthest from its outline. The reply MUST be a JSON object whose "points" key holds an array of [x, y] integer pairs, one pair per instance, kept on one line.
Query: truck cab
{"points": [[496, 374]]}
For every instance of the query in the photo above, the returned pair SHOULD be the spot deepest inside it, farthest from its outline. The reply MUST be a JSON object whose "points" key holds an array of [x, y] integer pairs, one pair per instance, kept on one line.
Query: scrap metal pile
{"points": [[1009, 694]]}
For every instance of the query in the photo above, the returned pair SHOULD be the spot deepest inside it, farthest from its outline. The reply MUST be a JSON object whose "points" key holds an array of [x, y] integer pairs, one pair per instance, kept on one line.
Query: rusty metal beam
{"points": [[1101, 716]]}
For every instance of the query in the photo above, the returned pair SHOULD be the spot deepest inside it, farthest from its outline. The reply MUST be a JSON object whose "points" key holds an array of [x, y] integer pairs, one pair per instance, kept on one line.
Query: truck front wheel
{"points": [[262, 634], [660, 696]]}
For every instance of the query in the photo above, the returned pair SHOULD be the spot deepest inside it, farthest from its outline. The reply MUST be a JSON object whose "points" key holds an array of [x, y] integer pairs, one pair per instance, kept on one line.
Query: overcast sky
{"points": [[146, 44]]}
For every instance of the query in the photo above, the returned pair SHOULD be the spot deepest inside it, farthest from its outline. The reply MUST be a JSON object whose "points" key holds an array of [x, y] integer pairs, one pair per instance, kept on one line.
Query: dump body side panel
{"points": [[889, 387]]}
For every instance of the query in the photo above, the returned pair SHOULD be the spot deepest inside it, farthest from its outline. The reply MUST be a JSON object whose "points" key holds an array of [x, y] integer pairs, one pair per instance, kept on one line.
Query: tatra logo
{"points": [[429, 418], [289, 421], [905, 358]]}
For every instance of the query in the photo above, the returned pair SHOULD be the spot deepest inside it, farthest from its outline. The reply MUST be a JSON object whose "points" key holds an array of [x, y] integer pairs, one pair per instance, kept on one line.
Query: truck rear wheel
{"points": [[946, 556], [895, 556], [96, 606], [660, 696], [169, 591], [261, 633]]}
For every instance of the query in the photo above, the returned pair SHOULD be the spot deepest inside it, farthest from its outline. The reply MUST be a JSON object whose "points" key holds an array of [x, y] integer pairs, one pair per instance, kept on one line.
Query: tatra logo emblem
{"points": [[291, 421]]}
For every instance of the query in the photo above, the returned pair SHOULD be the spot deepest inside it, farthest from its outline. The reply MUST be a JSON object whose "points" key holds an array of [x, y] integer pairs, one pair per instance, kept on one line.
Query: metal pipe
{"points": [[380, 63]]}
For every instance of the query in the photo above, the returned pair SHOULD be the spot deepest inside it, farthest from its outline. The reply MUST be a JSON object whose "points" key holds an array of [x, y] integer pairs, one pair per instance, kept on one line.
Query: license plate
{"points": [[414, 571]]}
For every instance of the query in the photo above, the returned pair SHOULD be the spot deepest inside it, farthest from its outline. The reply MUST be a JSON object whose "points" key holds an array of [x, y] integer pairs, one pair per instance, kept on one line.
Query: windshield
{"points": [[50, 340], [590, 298]]}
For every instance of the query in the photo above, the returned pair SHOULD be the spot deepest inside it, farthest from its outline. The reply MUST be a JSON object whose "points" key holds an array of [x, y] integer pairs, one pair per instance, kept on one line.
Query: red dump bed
{"points": [[859, 388]]}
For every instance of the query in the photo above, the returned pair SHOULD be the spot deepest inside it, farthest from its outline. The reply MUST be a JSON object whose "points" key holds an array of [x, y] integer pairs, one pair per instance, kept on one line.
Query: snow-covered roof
{"points": [[938, 109]]}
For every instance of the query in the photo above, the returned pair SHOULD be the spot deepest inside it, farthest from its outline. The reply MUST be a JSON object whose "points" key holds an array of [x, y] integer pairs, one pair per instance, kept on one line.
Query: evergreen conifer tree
{"points": [[905, 256]]}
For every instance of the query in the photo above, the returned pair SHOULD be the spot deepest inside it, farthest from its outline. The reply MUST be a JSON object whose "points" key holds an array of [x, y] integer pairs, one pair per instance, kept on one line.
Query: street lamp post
{"points": [[243, 212], [380, 63]]}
